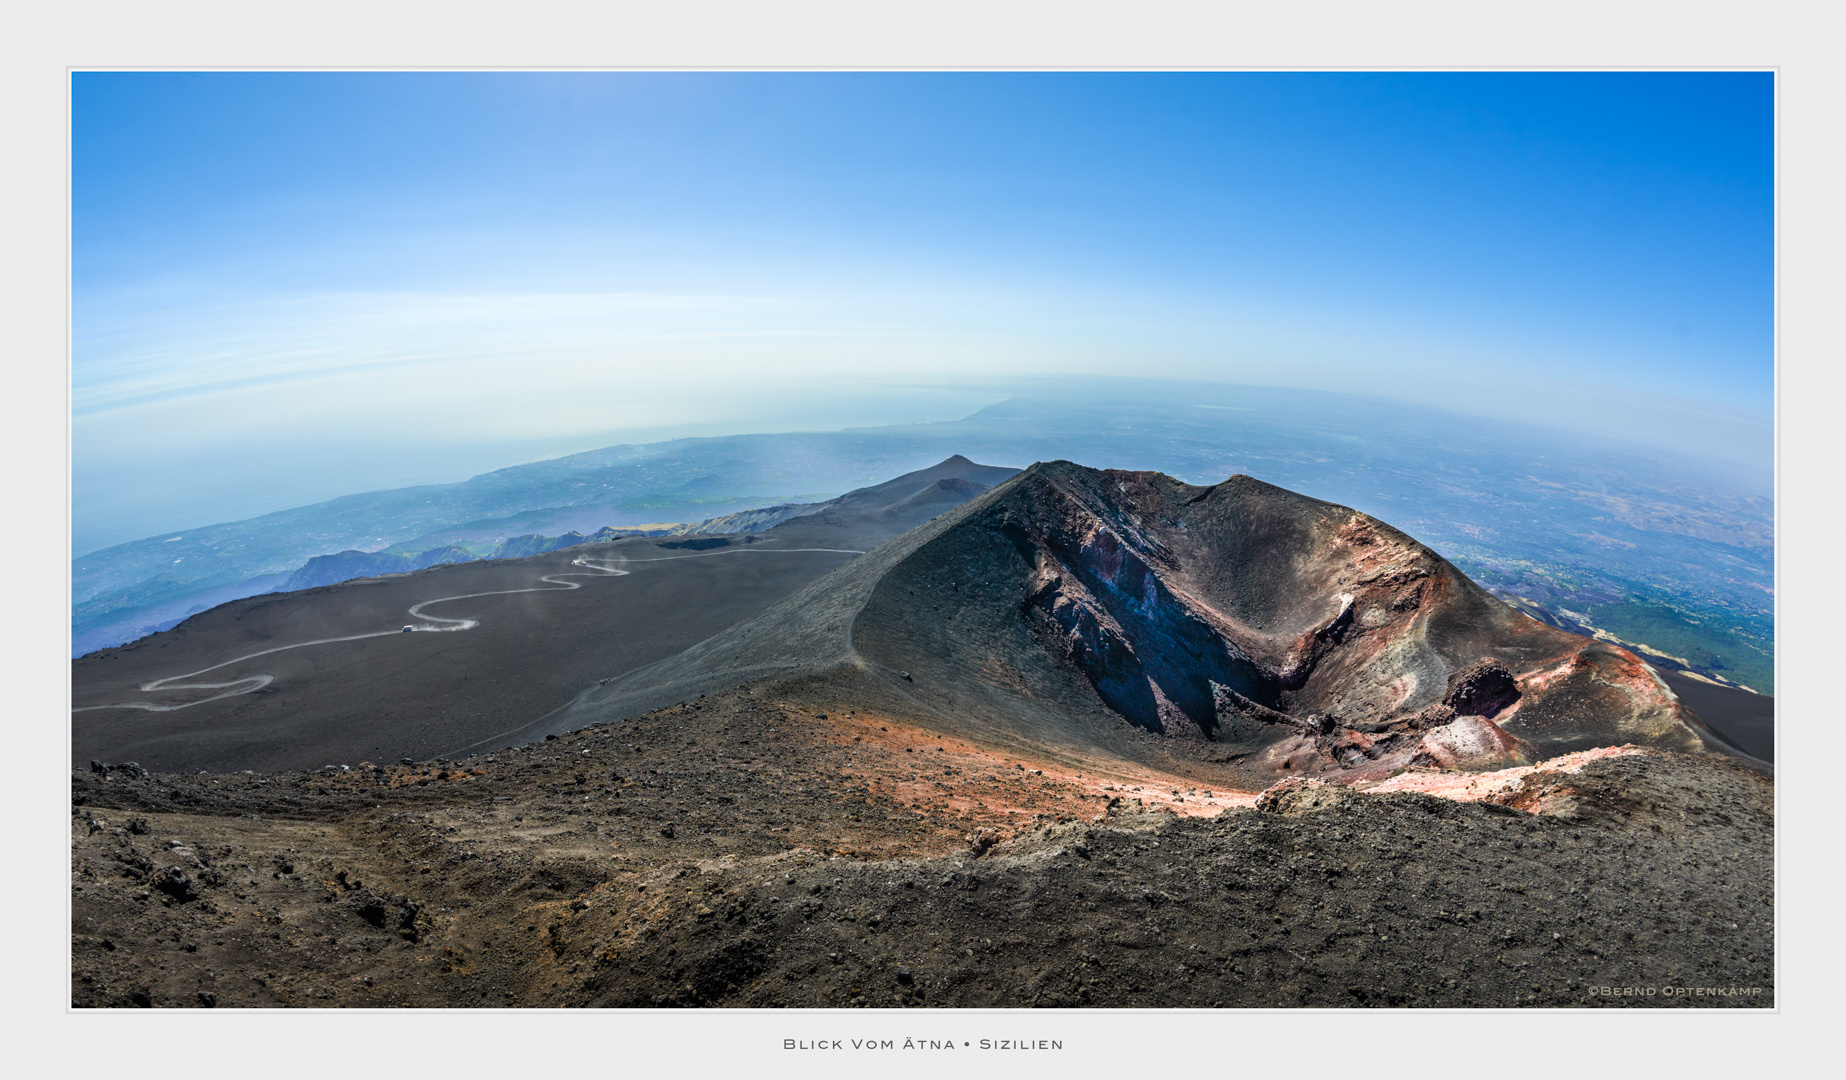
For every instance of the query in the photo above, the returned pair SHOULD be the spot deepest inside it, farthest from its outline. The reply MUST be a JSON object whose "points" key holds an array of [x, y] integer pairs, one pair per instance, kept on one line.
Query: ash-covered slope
{"points": [[324, 675], [1266, 629], [905, 501], [882, 511]]}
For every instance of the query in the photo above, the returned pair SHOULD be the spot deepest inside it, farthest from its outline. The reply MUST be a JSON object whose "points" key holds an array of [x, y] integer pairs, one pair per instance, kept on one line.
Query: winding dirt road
{"points": [[249, 684]]}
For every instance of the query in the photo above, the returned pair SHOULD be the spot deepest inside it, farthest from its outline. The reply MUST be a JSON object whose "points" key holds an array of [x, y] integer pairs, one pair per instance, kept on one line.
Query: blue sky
{"points": [[286, 286]]}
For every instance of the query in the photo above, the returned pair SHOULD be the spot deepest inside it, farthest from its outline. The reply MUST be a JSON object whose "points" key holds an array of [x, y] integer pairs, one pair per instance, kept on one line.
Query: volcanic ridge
{"points": [[1246, 624], [1070, 737]]}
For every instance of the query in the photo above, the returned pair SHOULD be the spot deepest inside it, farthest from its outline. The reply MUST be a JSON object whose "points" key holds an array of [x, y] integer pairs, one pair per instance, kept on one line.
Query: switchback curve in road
{"points": [[249, 684]]}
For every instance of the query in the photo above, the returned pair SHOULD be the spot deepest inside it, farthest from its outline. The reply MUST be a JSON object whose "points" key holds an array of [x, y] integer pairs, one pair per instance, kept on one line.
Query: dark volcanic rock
{"points": [[1482, 690], [1073, 605], [810, 862], [174, 882], [1309, 619], [1009, 757]]}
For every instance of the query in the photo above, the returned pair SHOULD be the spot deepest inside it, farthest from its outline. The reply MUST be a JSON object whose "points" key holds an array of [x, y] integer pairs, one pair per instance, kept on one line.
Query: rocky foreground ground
{"points": [[762, 848]]}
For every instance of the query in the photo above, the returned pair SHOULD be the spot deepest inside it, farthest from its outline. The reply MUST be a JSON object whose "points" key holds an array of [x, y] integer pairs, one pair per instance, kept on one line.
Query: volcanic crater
{"points": [[1244, 624], [1087, 738]]}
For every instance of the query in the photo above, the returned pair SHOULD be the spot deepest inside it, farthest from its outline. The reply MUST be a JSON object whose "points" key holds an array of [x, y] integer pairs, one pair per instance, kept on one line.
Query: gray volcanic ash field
{"points": [[1087, 738]]}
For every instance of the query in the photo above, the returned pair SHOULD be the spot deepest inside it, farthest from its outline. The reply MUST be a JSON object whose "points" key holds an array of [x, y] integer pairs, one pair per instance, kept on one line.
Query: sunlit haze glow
{"points": [[291, 286]]}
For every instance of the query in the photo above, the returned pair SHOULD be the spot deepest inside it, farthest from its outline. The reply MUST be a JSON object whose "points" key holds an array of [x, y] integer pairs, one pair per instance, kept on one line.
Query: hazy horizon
{"points": [[368, 472], [290, 286]]}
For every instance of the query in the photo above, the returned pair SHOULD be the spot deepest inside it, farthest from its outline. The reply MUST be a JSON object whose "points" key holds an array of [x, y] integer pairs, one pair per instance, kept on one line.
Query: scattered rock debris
{"points": [[800, 867]]}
